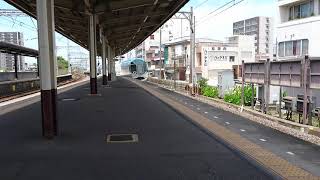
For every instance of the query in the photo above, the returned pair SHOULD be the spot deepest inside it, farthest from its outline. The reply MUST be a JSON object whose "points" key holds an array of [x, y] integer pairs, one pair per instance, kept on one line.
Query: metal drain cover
{"points": [[122, 138]]}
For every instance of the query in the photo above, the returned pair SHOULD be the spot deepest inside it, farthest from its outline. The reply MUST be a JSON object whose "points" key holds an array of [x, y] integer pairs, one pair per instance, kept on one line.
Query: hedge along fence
{"points": [[232, 96]]}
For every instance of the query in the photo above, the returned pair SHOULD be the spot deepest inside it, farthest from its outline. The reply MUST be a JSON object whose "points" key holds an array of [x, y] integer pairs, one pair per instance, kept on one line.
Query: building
{"points": [[297, 33], [226, 56], [7, 60], [262, 29], [211, 57], [175, 29]]}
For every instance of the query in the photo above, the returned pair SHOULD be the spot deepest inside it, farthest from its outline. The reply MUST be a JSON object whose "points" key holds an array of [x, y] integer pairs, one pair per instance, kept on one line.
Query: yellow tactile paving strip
{"points": [[267, 159]]}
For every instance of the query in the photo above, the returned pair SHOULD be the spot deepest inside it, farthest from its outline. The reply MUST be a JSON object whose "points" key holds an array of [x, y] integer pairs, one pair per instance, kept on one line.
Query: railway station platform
{"points": [[165, 144]]}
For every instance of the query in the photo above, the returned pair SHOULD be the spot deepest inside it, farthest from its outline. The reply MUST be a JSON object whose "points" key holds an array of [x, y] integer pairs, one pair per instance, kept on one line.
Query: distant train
{"points": [[136, 67]]}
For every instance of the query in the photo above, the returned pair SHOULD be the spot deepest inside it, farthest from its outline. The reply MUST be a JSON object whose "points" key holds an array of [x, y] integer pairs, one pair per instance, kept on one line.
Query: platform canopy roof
{"points": [[126, 23], [17, 49]]}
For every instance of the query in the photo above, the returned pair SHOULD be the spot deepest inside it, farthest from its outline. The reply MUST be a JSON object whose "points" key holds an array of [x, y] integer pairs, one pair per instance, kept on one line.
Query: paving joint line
{"points": [[268, 161]]}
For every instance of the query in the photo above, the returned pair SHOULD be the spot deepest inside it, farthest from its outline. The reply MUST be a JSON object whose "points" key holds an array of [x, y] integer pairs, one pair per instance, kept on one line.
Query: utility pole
{"points": [[181, 29], [192, 49], [189, 16]]}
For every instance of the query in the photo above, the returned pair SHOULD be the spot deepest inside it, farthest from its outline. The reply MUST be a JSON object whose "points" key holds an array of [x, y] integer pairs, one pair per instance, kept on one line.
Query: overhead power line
{"points": [[200, 4], [219, 10]]}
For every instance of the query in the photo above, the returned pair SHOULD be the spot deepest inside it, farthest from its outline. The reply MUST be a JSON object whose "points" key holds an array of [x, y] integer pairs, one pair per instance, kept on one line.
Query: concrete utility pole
{"points": [[192, 49]]}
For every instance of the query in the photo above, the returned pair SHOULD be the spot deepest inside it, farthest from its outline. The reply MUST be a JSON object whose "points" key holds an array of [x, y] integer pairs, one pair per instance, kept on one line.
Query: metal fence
{"points": [[299, 73]]}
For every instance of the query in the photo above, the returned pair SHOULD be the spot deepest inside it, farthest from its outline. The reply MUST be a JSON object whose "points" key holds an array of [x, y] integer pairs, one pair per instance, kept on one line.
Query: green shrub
{"points": [[234, 95], [203, 82], [210, 91], [284, 94]]}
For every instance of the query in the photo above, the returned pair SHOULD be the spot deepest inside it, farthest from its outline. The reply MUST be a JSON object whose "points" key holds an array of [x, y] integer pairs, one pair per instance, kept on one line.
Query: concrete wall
{"points": [[10, 76]]}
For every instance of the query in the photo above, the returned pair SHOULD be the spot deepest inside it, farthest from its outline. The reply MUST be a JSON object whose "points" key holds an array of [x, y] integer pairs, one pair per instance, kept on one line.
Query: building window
{"points": [[293, 48], [152, 36], [305, 46], [302, 10], [231, 59], [281, 49], [288, 48]]}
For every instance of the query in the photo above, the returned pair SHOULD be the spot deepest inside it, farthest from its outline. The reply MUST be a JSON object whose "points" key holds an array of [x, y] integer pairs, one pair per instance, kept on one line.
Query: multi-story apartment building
{"points": [[298, 31], [262, 29], [298, 35], [7, 60], [211, 57]]}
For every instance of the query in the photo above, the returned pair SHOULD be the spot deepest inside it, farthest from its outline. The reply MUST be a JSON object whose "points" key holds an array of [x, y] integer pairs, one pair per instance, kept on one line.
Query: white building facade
{"points": [[211, 57], [262, 29], [226, 56], [298, 32], [298, 35]]}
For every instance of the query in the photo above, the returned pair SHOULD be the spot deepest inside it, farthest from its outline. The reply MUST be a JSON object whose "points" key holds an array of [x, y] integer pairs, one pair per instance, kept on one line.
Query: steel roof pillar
{"points": [[109, 62], [93, 53], [113, 69], [48, 64], [104, 56]]}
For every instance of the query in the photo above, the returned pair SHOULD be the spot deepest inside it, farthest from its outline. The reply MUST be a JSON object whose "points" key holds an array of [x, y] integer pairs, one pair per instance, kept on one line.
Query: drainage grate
{"points": [[122, 138]]}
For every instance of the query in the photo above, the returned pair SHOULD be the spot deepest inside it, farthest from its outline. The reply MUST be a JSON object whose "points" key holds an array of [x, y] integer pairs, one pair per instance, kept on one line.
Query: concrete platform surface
{"points": [[296, 151], [169, 146]]}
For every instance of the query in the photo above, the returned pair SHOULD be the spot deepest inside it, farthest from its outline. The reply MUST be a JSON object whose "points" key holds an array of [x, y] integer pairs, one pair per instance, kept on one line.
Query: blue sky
{"points": [[215, 27]]}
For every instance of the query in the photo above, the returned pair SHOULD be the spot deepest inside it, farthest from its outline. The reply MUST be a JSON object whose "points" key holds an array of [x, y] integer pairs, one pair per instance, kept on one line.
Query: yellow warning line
{"points": [[265, 158]]}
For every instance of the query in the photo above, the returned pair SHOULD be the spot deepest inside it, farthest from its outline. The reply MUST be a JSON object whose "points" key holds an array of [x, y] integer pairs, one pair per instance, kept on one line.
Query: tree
{"points": [[62, 63]]}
